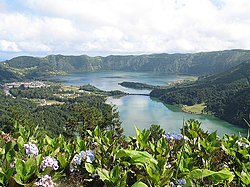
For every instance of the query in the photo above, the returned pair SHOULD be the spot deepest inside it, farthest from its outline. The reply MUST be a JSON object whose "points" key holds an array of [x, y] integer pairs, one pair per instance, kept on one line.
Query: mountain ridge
{"points": [[190, 63]]}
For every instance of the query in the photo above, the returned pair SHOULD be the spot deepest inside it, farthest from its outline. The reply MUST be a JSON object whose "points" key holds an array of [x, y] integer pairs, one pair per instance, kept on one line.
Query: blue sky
{"points": [[103, 27]]}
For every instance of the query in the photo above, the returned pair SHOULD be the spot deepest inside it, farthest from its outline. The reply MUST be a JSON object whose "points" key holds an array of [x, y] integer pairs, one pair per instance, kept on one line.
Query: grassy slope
{"points": [[194, 109]]}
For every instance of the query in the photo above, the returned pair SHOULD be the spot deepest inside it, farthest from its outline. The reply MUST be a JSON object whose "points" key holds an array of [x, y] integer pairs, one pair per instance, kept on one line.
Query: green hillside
{"points": [[196, 63], [226, 94], [7, 74]]}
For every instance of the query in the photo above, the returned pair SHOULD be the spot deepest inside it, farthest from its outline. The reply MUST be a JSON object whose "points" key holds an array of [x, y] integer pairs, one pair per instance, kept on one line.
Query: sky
{"points": [[104, 27]]}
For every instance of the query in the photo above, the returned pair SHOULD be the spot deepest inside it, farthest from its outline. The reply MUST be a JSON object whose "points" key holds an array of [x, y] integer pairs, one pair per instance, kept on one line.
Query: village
{"points": [[32, 84]]}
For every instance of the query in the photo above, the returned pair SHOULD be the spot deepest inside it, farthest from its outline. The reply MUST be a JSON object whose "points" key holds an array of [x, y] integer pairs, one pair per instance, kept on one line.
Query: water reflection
{"points": [[141, 111]]}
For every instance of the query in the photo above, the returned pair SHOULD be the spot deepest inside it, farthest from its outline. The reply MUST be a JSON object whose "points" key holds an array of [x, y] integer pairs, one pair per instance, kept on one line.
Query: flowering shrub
{"points": [[77, 160], [45, 181], [242, 144], [173, 136], [88, 155], [49, 162], [31, 149], [101, 158], [181, 182]]}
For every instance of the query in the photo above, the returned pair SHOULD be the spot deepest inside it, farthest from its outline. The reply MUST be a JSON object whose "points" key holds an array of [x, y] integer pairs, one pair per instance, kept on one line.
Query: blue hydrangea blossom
{"points": [[77, 160], [181, 182], [88, 156], [173, 136]]}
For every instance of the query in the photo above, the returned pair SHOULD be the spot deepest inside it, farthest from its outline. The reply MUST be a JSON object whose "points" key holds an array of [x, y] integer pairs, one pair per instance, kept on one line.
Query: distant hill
{"points": [[196, 63], [226, 94], [7, 75]]}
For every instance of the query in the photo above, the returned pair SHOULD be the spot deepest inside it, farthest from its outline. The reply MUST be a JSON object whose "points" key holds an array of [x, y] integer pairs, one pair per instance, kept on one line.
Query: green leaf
{"points": [[152, 146], [193, 133], [245, 177], [8, 146], [62, 158], [20, 168], [58, 175], [30, 166], [221, 175], [89, 132], [39, 159], [80, 144], [104, 174], [153, 173], [18, 179], [139, 184], [137, 156], [115, 173], [212, 136], [20, 142], [48, 140], [138, 132], [97, 131], [200, 173], [89, 167], [123, 181], [10, 155], [2, 176], [55, 152]]}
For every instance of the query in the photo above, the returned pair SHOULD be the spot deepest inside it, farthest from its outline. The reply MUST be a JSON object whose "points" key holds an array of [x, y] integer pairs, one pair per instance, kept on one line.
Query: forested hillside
{"points": [[225, 94], [196, 63], [56, 111]]}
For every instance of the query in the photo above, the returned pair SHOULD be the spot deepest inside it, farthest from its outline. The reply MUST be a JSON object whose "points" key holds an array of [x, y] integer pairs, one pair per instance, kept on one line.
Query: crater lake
{"points": [[142, 111]]}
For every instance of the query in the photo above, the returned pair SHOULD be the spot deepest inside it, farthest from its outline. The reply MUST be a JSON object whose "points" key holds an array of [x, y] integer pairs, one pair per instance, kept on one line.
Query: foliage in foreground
{"points": [[101, 158]]}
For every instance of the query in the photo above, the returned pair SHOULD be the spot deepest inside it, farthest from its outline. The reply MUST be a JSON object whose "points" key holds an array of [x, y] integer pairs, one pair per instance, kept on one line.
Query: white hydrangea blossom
{"points": [[168, 165], [45, 181], [49, 162], [242, 144], [13, 163], [31, 149]]}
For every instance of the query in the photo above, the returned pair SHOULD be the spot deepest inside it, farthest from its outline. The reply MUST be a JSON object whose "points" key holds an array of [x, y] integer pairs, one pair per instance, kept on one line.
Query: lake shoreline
{"points": [[141, 110]]}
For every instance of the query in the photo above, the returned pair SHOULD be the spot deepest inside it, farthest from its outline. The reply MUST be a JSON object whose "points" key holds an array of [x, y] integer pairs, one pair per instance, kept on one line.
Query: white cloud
{"points": [[126, 26], [8, 46]]}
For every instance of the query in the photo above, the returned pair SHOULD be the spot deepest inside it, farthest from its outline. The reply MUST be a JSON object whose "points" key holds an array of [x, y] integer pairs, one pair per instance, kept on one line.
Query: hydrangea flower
{"points": [[88, 155], [49, 162], [173, 136], [45, 181], [242, 144], [181, 182], [168, 165], [31, 149], [13, 163], [77, 159]]}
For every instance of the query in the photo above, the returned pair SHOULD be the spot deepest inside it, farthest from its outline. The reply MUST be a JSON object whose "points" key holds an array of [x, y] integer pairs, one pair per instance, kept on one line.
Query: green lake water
{"points": [[142, 111]]}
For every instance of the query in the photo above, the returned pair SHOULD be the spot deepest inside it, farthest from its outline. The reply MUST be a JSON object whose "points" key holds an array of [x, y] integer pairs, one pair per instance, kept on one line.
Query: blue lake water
{"points": [[142, 111]]}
